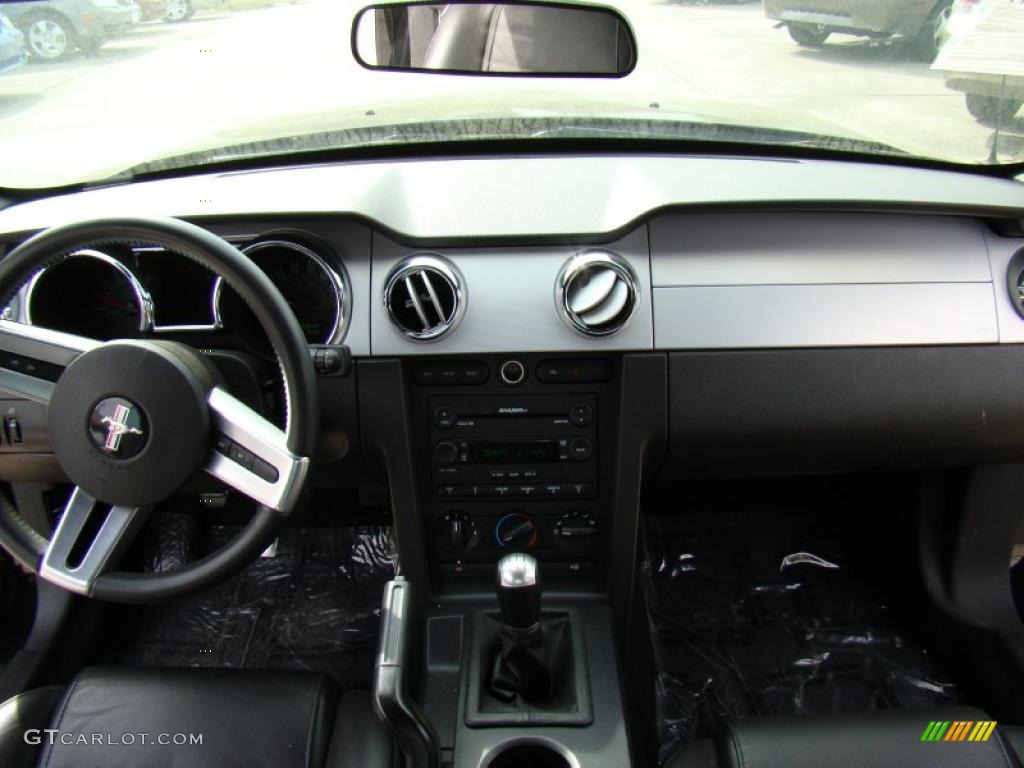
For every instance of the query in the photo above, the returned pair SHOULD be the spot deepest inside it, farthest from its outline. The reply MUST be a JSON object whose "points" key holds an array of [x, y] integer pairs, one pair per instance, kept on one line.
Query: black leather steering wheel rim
{"points": [[286, 338]]}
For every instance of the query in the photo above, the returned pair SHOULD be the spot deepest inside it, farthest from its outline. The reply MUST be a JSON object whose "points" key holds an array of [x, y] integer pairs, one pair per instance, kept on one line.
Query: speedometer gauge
{"points": [[314, 290], [92, 294]]}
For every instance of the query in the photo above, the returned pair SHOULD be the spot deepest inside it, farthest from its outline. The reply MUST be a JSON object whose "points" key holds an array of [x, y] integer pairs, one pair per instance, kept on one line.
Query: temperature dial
{"points": [[456, 532], [516, 530], [575, 530]]}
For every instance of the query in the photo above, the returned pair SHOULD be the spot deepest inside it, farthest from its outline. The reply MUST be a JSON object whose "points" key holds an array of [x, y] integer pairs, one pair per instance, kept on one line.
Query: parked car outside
{"points": [[811, 22], [55, 28], [13, 52], [176, 10], [992, 96]]}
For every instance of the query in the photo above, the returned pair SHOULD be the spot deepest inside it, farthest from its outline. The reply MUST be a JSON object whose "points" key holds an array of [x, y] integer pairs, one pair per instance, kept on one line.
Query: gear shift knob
{"points": [[519, 591]]}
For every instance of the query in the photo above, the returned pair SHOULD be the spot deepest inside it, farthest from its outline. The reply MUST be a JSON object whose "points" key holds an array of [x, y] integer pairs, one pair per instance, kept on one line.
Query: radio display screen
{"points": [[513, 452]]}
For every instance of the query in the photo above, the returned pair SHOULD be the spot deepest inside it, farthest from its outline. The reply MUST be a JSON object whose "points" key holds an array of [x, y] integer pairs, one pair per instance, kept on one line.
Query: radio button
{"points": [[581, 415], [573, 371], [444, 417], [448, 373], [446, 453], [426, 374], [432, 374], [473, 373], [581, 449]]}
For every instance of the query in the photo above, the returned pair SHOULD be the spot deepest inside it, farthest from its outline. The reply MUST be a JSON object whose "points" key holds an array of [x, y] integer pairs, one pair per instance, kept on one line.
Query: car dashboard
{"points": [[526, 329], [569, 356]]}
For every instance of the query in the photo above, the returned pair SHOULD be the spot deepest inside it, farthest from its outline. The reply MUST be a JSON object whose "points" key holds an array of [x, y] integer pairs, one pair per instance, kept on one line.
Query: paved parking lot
{"points": [[168, 88]]}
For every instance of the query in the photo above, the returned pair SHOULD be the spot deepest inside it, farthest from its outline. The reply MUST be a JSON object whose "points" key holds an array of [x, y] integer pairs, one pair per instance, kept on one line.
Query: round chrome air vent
{"points": [[596, 293], [1015, 281], [424, 297]]}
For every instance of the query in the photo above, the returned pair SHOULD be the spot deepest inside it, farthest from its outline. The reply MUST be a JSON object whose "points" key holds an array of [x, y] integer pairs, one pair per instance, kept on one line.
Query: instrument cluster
{"points": [[114, 291]]}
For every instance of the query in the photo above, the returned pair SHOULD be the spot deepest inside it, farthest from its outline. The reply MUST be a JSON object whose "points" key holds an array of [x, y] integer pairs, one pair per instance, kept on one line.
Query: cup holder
{"points": [[534, 753]]}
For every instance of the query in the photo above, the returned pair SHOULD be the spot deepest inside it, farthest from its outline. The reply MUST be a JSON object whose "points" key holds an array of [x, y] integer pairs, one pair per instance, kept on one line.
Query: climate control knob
{"points": [[516, 530], [456, 532], [576, 530]]}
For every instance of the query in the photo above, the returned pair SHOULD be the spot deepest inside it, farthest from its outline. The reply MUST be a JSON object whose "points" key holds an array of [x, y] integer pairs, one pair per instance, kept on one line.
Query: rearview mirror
{"points": [[505, 38]]}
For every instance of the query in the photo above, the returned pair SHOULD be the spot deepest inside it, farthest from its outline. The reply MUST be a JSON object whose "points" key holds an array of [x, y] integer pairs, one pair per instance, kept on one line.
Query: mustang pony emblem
{"points": [[117, 427]]}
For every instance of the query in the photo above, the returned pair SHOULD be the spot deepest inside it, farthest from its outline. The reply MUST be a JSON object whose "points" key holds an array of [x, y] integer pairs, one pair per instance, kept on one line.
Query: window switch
{"points": [[12, 428]]}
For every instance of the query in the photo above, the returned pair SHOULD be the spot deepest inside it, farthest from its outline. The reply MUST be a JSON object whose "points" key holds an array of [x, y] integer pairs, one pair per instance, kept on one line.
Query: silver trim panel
{"points": [[109, 542], [586, 195], [773, 316], [512, 307], [740, 248], [1000, 251], [250, 430], [43, 344]]}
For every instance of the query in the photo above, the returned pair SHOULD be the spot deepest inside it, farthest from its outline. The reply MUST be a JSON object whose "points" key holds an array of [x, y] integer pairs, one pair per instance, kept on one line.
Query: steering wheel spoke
{"points": [[251, 455], [31, 357], [89, 540]]}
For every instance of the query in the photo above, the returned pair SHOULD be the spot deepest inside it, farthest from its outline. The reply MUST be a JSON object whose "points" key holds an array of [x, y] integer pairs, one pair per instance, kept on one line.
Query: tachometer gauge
{"points": [[90, 294], [314, 290]]}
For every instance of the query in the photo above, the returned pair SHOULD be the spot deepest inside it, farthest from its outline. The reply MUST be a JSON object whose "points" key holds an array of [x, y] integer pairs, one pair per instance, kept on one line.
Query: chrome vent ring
{"points": [[425, 297], [596, 293]]}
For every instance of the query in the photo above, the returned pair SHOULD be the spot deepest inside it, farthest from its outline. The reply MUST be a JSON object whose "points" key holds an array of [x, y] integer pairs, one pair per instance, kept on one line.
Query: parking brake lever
{"points": [[414, 734]]}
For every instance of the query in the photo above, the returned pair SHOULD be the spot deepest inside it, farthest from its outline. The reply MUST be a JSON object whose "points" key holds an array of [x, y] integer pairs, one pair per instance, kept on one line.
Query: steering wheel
{"points": [[131, 421]]}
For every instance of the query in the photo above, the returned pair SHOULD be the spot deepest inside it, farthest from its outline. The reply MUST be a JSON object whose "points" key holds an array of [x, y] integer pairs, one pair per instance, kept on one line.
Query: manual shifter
{"points": [[520, 665], [519, 592]]}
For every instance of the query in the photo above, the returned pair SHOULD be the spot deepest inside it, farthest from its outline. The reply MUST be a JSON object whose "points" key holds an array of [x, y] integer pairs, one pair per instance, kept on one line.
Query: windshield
{"points": [[92, 90]]}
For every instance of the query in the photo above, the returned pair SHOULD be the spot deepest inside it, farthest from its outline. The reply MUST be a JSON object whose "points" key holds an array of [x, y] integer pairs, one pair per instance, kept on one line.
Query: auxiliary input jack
{"points": [[512, 372]]}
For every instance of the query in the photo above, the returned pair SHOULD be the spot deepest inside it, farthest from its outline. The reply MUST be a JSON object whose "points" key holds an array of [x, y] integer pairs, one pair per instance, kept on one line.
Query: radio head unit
{"points": [[505, 446]]}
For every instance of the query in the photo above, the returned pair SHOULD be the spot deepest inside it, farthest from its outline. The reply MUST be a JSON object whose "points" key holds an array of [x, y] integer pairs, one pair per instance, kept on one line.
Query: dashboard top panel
{"points": [[526, 197]]}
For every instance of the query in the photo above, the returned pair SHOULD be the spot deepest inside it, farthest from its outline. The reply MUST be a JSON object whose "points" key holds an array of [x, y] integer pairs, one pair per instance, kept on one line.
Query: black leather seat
{"points": [[123, 717], [879, 739]]}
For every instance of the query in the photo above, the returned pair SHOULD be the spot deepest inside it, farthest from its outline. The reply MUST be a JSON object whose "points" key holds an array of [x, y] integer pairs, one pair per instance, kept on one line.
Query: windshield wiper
{"points": [[513, 128]]}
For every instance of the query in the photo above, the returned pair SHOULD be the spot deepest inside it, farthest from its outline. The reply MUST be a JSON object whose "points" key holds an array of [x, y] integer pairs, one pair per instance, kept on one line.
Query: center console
{"points": [[514, 464], [518, 452]]}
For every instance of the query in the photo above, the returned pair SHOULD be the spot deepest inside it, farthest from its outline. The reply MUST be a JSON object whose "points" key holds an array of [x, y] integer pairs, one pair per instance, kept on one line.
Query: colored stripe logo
{"points": [[958, 730]]}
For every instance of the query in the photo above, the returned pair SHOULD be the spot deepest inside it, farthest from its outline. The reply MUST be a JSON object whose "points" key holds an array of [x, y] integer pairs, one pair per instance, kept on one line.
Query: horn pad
{"points": [[129, 421]]}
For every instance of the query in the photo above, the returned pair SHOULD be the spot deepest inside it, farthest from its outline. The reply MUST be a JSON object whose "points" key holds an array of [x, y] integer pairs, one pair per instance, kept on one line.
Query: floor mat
{"points": [[314, 606], [758, 609]]}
